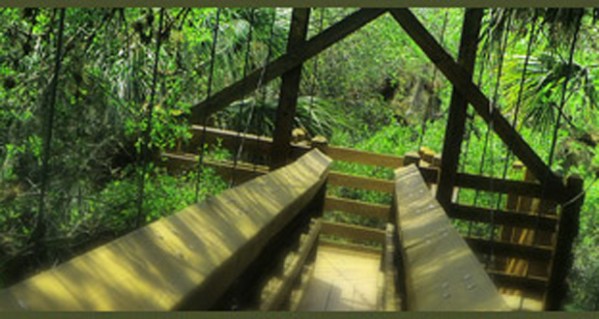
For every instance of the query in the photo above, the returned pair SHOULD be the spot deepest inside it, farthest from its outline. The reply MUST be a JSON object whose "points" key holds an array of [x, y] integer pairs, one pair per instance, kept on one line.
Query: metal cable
{"points": [[263, 90], [200, 167], [240, 136], [315, 75], [39, 229], [434, 79], [148, 131]]}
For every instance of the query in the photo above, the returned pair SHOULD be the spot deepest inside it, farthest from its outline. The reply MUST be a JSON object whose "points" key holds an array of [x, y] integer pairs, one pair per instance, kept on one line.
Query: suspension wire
{"points": [[434, 79], [470, 121], [553, 144], [564, 88], [200, 167], [503, 47], [531, 39], [240, 136], [263, 88], [39, 230], [493, 101], [315, 76], [80, 120], [148, 130]]}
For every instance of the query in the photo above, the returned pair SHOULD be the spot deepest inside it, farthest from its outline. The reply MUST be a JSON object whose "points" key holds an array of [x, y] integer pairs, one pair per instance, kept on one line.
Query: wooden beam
{"points": [[184, 261], [353, 232], [567, 233], [456, 121], [284, 63], [357, 247], [459, 77], [502, 217], [364, 157], [229, 140], [245, 171], [509, 249], [530, 283], [496, 185], [360, 182], [357, 207], [290, 82]]}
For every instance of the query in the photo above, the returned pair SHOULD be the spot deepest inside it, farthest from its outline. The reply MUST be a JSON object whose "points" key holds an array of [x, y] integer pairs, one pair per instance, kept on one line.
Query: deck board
{"points": [[343, 280]]}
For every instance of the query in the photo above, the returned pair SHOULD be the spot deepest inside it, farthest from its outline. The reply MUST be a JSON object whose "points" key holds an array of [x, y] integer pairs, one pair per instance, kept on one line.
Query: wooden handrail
{"points": [[186, 260], [441, 272]]}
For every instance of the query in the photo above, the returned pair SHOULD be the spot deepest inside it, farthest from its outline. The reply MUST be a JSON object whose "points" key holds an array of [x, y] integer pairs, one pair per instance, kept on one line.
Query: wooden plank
{"points": [[353, 232], [357, 207], [298, 293], [502, 217], [364, 157], [244, 171], [498, 185], [524, 303], [284, 63], [295, 263], [359, 182], [290, 82], [456, 121], [530, 283], [186, 260], [343, 280], [324, 241], [442, 273], [563, 256], [230, 139], [509, 249], [459, 77], [491, 184]]}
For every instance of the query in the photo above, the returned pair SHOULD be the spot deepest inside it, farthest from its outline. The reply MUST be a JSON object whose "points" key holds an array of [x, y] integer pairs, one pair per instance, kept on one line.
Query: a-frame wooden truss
{"points": [[459, 73]]}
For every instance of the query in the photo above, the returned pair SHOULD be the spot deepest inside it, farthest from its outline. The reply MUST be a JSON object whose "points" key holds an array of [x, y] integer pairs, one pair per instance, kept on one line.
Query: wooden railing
{"points": [[511, 255], [531, 255], [243, 249], [440, 272], [364, 237]]}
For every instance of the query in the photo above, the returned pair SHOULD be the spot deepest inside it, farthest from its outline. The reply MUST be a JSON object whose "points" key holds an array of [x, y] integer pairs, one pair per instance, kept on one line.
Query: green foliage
{"points": [[103, 103]]}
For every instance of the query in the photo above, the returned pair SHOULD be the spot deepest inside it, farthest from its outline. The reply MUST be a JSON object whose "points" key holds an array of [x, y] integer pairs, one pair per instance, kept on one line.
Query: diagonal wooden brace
{"points": [[284, 63], [459, 77]]}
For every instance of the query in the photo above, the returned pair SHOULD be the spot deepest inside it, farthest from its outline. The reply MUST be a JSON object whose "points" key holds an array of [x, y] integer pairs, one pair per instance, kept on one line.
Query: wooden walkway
{"points": [[343, 280]]}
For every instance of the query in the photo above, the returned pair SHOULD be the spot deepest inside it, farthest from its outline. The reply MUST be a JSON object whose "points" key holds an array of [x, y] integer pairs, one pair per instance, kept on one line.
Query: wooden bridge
{"points": [[264, 245], [268, 243]]}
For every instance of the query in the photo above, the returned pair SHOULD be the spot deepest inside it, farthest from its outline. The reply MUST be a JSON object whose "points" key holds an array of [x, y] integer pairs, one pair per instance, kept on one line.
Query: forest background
{"points": [[76, 140]]}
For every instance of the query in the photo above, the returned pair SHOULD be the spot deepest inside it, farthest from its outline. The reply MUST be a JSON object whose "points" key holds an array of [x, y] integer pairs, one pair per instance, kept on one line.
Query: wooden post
{"points": [[317, 205], [281, 148], [454, 132], [566, 234]]}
